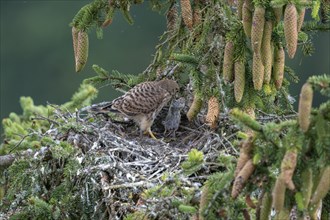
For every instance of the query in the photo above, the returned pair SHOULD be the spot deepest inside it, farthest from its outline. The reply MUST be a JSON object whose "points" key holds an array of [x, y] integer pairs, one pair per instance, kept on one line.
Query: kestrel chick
{"points": [[173, 118], [143, 102]]}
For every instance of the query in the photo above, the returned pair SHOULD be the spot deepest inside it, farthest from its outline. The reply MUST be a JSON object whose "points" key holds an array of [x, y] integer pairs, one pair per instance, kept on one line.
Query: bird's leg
{"points": [[150, 133], [173, 134]]}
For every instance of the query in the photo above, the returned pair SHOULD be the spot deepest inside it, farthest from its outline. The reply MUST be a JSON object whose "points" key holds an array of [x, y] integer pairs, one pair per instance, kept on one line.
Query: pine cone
{"points": [[242, 177], [266, 50], [301, 17], [249, 4], [239, 9], [75, 41], [213, 111], [244, 154], [186, 13], [279, 194], [306, 185], [258, 71], [288, 167], [197, 15], [279, 59], [247, 19], [305, 106], [290, 29], [258, 23], [228, 62], [109, 16], [239, 82], [195, 107], [82, 50], [322, 188], [266, 206], [278, 14], [172, 17]]}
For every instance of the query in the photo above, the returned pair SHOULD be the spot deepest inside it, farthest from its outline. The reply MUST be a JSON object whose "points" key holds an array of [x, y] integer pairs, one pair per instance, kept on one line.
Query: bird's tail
{"points": [[103, 107]]}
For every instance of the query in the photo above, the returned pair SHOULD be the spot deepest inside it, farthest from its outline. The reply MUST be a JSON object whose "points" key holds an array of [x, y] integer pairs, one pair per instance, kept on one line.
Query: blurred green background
{"points": [[37, 56]]}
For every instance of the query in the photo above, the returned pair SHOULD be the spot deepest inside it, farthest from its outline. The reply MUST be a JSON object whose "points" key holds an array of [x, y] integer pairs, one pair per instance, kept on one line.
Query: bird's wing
{"points": [[142, 99]]}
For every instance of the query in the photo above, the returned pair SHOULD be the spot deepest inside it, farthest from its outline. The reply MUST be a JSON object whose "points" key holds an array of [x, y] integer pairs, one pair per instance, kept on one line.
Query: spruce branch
{"points": [[315, 26], [246, 119], [321, 83], [184, 58]]}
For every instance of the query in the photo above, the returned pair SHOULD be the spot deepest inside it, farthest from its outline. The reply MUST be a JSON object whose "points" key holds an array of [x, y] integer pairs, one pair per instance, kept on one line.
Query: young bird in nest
{"points": [[173, 118], [143, 102]]}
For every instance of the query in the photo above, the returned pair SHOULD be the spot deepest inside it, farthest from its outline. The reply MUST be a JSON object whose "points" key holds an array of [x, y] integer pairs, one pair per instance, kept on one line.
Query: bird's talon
{"points": [[152, 135]]}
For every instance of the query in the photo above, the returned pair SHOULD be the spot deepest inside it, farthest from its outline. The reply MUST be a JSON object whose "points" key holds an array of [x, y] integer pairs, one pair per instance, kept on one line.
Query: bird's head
{"points": [[169, 85], [178, 103]]}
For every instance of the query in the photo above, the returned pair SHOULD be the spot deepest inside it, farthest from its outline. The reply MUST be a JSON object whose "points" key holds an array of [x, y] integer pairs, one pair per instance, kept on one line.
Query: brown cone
{"points": [[305, 106], [195, 107], [171, 17], [279, 194], [75, 41], [278, 14], [82, 50], [322, 188], [247, 19], [242, 177], [239, 82], [290, 29], [266, 50], [301, 18], [240, 9], [186, 13], [258, 23], [288, 167], [228, 62], [258, 71], [197, 15], [279, 59], [213, 112]]}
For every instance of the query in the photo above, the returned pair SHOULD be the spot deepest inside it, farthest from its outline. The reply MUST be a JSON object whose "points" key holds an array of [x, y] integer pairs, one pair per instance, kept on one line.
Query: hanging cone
{"points": [[278, 12], [290, 29], [239, 82], [75, 41], [242, 177], [322, 188], [108, 17], [258, 71], [279, 194], [186, 13], [266, 50], [305, 106], [172, 17], [239, 9], [213, 112], [301, 17], [82, 50], [195, 107], [258, 23], [228, 62], [279, 59], [288, 167], [247, 19], [197, 15]]}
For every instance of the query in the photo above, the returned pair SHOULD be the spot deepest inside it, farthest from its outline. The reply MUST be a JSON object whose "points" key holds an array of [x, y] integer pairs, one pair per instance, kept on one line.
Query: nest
{"points": [[121, 172], [117, 165], [122, 164]]}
